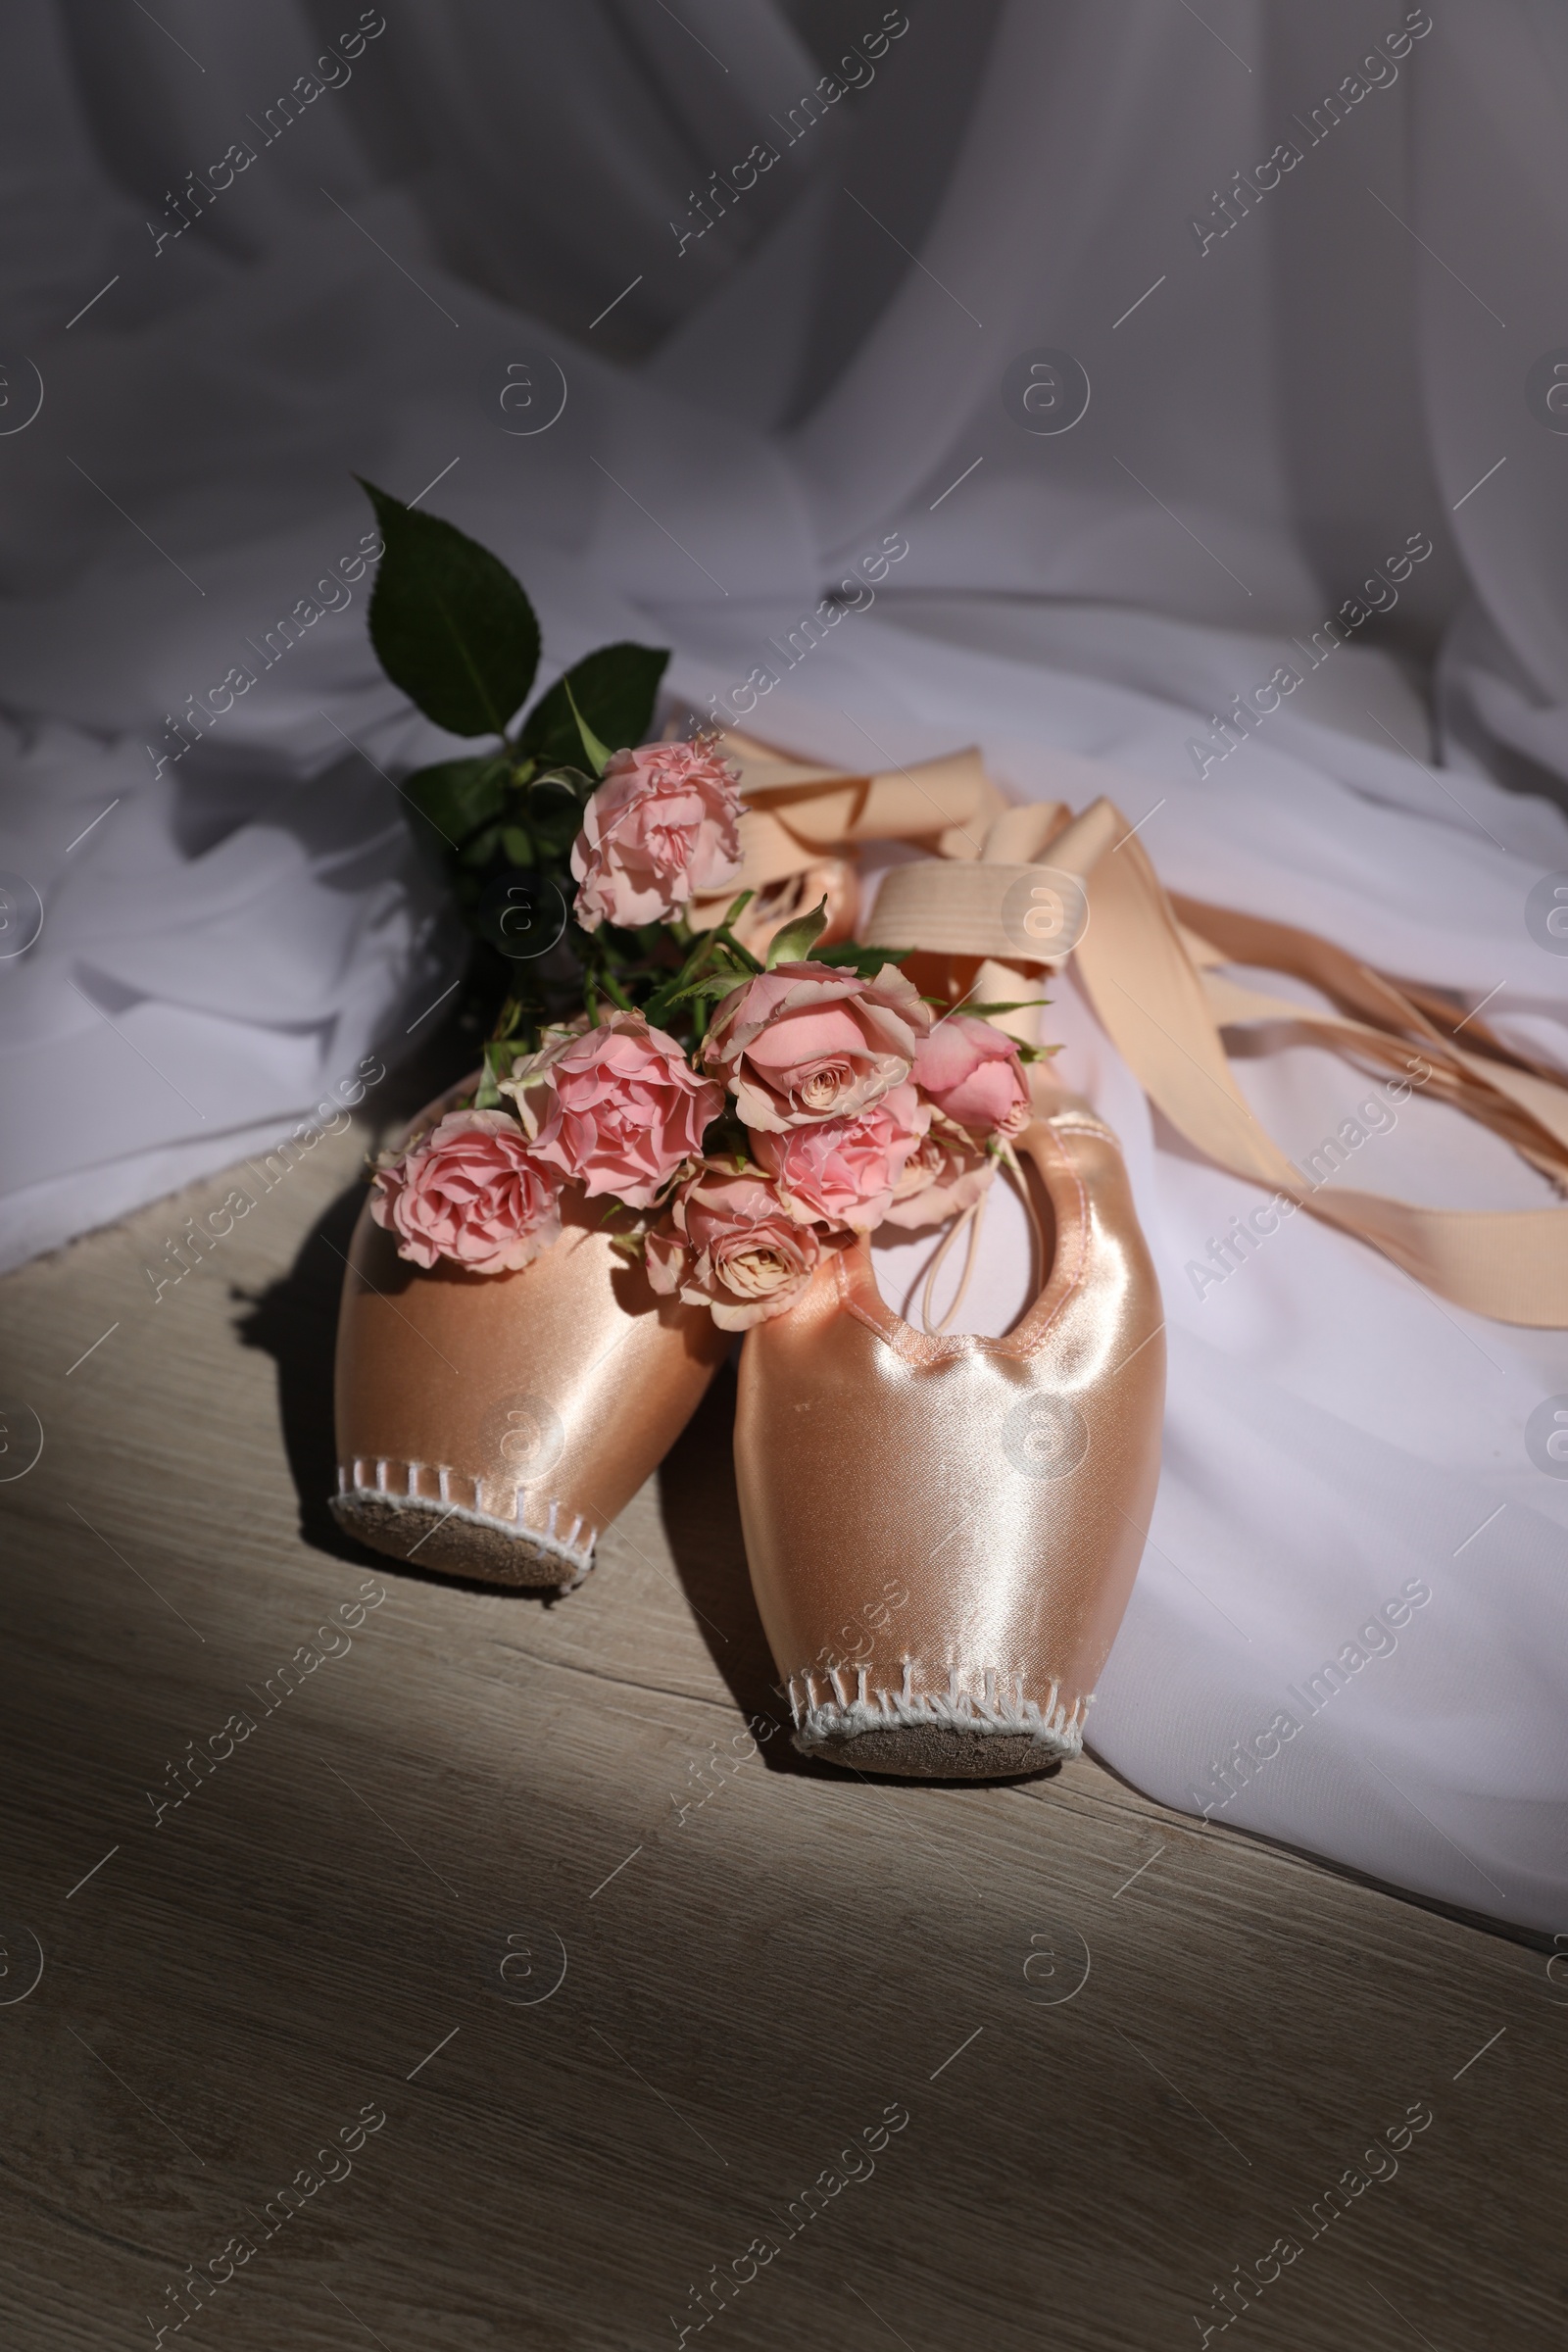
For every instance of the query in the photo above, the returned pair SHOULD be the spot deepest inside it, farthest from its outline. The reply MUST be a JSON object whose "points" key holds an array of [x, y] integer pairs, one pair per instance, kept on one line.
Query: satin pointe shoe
{"points": [[944, 1532], [493, 1425]]}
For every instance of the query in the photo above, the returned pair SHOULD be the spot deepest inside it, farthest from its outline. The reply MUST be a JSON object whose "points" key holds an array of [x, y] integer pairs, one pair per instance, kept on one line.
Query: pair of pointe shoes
{"points": [[942, 1533]]}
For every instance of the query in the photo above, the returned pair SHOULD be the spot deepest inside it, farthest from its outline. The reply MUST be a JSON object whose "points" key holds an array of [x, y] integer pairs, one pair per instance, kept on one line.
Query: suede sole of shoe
{"points": [[459, 1542], [935, 1753]]}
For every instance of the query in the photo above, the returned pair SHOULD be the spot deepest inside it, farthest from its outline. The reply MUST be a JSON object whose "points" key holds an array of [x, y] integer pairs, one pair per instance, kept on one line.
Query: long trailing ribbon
{"points": [[1153, 968]]}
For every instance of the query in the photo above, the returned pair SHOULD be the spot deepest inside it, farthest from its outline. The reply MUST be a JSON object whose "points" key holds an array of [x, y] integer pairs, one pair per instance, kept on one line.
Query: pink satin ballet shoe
{"points": [[493, 1425], [1000, 1487]]}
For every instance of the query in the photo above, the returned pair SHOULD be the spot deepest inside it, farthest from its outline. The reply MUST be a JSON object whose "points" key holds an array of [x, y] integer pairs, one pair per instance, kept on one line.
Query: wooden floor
{"points": [[623, 1979]]}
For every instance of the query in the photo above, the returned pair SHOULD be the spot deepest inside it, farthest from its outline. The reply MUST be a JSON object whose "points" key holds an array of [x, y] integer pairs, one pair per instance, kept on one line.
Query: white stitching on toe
{"points": [[574, 1552], [1054, 1727]]}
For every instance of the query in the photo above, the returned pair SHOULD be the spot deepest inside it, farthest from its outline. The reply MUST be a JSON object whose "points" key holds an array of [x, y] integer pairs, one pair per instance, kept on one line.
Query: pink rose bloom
{"points": [[970, 1071], [618, 1109], [846, 1170], [809, 1042], [661, 826], [733, 1247], [472, 1192], [944, 1175]]}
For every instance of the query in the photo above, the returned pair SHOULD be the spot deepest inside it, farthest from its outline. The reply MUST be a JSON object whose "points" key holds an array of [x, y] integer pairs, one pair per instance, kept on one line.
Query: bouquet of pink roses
{"points": [[746, 1116], [739, 1104]]}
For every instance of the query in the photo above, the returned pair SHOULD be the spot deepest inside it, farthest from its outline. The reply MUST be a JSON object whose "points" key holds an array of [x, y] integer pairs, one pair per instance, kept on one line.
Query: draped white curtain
{"points": [[494, 197]]}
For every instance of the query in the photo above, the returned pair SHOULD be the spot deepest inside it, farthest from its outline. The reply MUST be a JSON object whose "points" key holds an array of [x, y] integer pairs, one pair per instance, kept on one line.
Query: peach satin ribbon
{"points": [[1153, 966]]}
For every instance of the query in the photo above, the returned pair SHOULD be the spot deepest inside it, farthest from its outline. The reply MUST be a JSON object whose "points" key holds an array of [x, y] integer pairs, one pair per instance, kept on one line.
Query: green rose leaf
{"points": [[615, 690], [499, 1056], [449, 623], [866, 962], [560, 788], [458, 795], [598, 753], [713, 987], [794, 943]]}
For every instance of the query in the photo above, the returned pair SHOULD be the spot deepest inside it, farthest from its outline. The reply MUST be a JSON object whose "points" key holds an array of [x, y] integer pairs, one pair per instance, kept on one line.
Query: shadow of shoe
{"points": [[702, 1520], [294, 1321]]}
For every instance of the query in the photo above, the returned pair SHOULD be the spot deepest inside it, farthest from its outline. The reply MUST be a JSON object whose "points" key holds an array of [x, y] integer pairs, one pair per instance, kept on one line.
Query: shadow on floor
{"points": [[294, 1321], [701, 1518]]}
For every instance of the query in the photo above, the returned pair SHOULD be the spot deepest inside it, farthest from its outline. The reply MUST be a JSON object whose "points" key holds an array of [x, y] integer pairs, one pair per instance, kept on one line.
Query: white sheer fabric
{"points": [[1283, 396]]}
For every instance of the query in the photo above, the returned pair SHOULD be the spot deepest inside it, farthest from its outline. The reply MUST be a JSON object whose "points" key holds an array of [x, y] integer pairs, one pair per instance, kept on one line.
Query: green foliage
{"points": [[712, 988], [614, 690], [794, 943], [986, 1012], [698, 985], [849, 955], [449, 623], [455, 631], [498, 1061], [459, 796], [598, 752]]}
